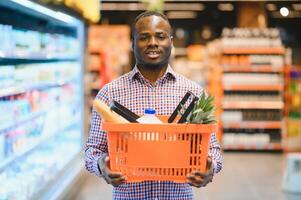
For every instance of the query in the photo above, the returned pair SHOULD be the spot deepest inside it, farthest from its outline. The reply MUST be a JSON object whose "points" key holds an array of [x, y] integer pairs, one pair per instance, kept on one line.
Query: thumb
{"points": [[107, 161], [209, 162]]}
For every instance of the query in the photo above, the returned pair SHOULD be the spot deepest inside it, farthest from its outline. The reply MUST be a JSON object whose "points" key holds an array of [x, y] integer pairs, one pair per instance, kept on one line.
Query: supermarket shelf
{"points": [[28, 117], [34, 146], [255, 50], [266, 147], [41, 12], [21, 89], [253, 105], [65, 180], [254, 124], [253, 87], [26, 60], [22, 120], [261, 68]]}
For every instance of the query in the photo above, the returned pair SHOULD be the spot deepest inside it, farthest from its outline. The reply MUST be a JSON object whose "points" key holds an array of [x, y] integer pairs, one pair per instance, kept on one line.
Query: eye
{"points": [[143, 37], [161, 37]]}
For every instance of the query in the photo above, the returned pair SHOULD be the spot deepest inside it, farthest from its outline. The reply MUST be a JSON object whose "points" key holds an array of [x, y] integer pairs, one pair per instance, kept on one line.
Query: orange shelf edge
{"points": [[254, 87], [253, 147], [253, 69], [258, 50], [253, 105], [254, 124]]}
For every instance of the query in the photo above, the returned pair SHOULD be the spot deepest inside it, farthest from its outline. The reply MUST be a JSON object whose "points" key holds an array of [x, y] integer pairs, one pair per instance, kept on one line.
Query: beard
{"points": [[153, 66]]}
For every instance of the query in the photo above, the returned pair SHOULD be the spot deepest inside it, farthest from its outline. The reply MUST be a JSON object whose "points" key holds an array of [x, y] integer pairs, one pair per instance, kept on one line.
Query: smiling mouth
{"points": [[153, 54]]}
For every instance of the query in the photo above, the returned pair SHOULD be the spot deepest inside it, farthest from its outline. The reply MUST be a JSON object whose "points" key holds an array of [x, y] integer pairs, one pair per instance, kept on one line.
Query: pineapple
{"points": [[202, 112]]}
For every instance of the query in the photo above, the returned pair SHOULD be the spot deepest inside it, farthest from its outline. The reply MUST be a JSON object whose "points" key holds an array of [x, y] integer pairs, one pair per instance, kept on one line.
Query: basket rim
{"points": [[165, 127]]}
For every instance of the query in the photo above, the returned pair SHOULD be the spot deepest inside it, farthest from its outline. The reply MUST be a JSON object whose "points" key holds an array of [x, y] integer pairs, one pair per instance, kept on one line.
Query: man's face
{"points": [[152, 42]]}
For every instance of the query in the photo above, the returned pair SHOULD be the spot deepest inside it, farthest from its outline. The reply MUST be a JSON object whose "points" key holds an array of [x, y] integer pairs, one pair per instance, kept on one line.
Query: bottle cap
{"points": [[149, 111]]}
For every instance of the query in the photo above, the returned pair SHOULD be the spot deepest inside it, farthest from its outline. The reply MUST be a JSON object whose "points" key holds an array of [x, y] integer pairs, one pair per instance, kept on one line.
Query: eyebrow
{"points": [[157, 32]]}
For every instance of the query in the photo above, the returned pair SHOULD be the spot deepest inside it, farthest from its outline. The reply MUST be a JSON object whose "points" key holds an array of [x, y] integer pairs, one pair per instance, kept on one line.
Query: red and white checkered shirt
{"points": [[136, 93]]}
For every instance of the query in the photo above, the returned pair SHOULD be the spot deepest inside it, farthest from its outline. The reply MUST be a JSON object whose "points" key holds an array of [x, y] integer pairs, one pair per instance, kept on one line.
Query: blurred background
{"points": [[55, 55]]}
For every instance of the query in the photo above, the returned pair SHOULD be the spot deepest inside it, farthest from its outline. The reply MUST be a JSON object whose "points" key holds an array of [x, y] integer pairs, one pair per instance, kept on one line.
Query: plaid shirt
{"points": [[136, 93]]}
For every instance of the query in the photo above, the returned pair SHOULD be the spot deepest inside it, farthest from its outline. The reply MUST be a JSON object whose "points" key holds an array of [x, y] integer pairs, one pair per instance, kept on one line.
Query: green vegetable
{"points": [[202, 112]]}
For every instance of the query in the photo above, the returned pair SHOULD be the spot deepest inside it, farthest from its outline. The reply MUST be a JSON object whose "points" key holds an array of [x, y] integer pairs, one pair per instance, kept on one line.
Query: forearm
{"points": [[92, 156], [96, 147]]}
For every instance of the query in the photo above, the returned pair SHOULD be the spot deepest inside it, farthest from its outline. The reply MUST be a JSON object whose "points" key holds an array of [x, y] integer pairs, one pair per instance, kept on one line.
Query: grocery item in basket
{"points": [[124, 112], [107, 114], [202, 112], [179, 107], [149, 117]]}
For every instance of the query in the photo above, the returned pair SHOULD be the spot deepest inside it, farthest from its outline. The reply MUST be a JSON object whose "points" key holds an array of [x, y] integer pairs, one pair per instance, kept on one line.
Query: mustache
{"points": [[152, 50]]}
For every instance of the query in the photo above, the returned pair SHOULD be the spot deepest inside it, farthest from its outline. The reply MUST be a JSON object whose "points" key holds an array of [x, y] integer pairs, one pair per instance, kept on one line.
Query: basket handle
{"points": [[188, 110]]}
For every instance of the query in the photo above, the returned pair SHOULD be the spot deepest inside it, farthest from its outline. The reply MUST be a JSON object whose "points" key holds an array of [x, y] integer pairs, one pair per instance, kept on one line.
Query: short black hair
{"points": [[147, 14], [151, 13]]}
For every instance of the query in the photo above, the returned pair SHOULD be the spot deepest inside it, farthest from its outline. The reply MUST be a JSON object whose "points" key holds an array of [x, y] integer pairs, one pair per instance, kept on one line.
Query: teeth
{"points": [[152, 53]]}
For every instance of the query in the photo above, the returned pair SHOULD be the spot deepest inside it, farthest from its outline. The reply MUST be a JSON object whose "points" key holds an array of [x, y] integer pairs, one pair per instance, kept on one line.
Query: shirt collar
{"points": [[169, 73]]}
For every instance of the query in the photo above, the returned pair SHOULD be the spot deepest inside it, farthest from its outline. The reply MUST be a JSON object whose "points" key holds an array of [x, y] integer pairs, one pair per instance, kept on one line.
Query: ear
{"points": [[133, 44]]}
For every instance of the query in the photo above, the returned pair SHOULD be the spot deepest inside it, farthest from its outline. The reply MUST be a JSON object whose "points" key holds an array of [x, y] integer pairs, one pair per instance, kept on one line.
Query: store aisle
{"points": [[245, 176]]}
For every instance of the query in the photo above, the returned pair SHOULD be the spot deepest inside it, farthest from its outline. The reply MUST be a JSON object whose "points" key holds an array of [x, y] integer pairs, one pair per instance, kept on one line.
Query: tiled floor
{"points": [[245, 176]]}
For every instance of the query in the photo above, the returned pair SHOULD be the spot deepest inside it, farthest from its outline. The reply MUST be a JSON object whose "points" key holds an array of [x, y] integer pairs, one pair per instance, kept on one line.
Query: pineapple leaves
{"points": [[202, 112]]}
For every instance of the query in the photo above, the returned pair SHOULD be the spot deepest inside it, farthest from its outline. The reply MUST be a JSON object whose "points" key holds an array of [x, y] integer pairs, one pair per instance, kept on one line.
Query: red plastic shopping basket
{"points": [[158, 151]]}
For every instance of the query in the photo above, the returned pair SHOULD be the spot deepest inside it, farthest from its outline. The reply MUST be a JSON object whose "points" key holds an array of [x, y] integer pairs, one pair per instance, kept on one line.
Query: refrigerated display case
{"points": [[41, 100]]}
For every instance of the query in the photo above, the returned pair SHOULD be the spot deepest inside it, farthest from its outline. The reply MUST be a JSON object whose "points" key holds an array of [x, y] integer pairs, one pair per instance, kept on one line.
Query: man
{"points": [[151, 84]]}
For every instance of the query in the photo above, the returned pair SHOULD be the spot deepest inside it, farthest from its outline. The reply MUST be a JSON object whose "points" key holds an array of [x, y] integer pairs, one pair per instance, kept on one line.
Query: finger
{"points": [[104, 164], [194, 179], [118, 181], [194, 184], [114, 175], [106, 168], [200, 174], [107, 161]]}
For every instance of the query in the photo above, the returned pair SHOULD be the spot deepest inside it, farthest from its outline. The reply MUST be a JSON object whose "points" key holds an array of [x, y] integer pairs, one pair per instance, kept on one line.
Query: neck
{"points": [[152, 75]]}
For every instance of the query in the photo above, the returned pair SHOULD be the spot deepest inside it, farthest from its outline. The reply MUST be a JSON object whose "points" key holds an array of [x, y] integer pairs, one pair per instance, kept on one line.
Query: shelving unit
{"points": [[253, 89], [41, 73], [108, 56]]}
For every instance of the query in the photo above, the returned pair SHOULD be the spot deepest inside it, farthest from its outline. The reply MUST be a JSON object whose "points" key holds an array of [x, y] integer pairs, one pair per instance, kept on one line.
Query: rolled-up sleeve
{"points": [[96, 145], [216, 154]]}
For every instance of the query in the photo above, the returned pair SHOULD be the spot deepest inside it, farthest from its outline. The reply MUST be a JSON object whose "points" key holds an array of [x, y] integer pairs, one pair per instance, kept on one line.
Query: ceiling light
{"points": [[181, 14], [284, 11], [271, 7], [225, 7], [292, 14]]}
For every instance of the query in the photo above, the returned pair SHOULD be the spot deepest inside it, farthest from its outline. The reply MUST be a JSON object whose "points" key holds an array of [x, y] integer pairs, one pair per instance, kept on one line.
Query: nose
{"points": [[153, 41]]}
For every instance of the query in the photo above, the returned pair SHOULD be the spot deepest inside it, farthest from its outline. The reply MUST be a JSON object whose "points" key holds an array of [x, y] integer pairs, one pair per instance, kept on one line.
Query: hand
{"points": [[199, 179], [113, 178]]}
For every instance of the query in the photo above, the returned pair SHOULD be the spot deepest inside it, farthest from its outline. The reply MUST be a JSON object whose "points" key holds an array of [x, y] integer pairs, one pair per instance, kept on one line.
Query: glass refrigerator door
{"points": [[41, 100]]}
